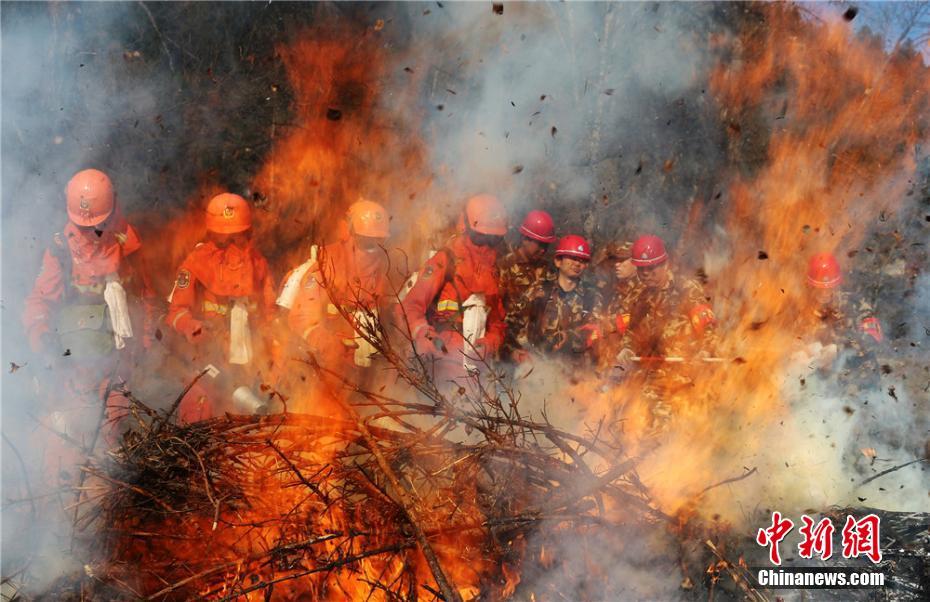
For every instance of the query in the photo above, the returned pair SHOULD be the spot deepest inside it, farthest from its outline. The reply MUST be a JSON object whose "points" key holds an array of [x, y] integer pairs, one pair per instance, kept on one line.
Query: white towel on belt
{"points": [[474, 321], [115, 297], [240, 338], [365, 322], [292, 284]]}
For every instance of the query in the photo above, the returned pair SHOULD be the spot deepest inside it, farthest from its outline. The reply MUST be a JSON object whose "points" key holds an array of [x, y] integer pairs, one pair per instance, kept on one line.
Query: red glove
{"points": [[193, 330], [521, 356], [490, 343], [593, 334], [622, 323]]}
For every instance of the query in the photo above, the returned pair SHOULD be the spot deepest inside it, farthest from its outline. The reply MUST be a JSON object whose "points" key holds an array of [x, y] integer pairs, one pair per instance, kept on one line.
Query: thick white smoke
{"points": [[584, 105], [71, 94]]}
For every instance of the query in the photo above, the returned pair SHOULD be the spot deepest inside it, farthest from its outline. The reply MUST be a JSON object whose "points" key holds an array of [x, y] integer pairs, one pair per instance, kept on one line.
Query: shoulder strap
{"points": [[61, 251], [449, 275]]}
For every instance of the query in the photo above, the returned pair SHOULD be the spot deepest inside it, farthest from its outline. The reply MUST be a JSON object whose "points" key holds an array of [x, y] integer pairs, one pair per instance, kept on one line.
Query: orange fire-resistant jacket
{"points": [[211, 278], [342, 276], [75, 268], [435, 299]]}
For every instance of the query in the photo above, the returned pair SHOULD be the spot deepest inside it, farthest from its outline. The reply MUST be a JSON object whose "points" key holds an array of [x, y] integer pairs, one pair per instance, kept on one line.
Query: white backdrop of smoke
{"points": [[550, 103], [67, 89]]}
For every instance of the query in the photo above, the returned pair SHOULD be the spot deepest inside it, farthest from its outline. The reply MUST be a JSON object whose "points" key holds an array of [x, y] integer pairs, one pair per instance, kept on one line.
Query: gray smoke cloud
{"points": [[598, 106], [71, 94]]}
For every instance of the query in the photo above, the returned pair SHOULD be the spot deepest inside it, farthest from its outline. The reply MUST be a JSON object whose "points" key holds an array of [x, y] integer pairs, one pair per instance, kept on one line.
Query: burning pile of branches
{"points": [[342, 506]]}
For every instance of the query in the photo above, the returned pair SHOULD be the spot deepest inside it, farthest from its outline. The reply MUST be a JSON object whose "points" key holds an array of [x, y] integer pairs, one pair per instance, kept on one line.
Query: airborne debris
{"points": [[851, 13], [763, 255], [517, 169], [333, 114], [497, 8]]}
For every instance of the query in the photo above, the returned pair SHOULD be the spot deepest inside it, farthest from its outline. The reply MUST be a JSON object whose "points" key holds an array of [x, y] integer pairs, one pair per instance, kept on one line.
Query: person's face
{"points": [[571, 267], [92, 230], [533, 249], [368, 244], [654, 276], [484, 240], [823, 297], [238, 239]]}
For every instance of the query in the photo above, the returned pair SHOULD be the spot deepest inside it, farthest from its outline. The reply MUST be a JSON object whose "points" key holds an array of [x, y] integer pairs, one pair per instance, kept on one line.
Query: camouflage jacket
{"points": [[602, 271], [517, 274], [657, 322], [852, 326], [551, 320]]}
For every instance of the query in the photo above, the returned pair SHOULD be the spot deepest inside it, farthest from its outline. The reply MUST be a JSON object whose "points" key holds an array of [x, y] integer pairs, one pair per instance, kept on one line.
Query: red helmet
{"points": [[485, 214], [647, 251], [702, 316], [823, 271], [90, 197], [228, 213], [573, 246], [538, 225]]}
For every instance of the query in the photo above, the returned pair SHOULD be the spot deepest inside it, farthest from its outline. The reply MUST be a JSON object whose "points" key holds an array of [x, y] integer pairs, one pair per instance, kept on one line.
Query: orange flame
{"points": [[843, 118]]}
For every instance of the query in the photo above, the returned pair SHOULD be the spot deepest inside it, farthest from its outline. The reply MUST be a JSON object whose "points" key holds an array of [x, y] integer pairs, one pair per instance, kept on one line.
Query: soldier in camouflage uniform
{"points": [[662, 317], [842, 324], [613, 273], [559, 315], [612, 270], [526, 264]]}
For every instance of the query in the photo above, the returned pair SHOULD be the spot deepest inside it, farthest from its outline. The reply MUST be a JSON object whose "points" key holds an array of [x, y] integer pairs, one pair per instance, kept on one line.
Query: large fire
{"points": [[847, 117], [385, 495]]}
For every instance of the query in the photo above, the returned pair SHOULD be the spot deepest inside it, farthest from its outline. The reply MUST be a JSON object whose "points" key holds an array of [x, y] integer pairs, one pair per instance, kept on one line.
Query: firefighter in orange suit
{"points": [[89, 310], [334, 300], [454, 309], [223, 296]]}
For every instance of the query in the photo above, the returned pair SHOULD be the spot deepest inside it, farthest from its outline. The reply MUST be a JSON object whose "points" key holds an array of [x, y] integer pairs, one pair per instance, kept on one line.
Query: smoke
{"points": [[595, 107], [62, 100], [88, 85]]}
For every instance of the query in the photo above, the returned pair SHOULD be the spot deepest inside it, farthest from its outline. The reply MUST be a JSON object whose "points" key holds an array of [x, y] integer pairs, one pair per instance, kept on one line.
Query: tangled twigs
{"points": [[343, 505], [410, 506], [306, 497]]}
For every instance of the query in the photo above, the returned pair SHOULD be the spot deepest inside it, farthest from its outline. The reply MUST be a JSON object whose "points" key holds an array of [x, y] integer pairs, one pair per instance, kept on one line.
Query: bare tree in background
{"points": [[902, 22]]}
